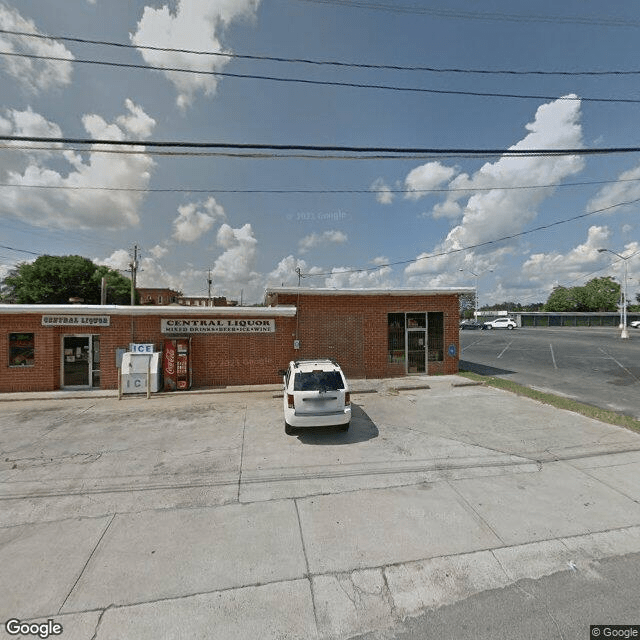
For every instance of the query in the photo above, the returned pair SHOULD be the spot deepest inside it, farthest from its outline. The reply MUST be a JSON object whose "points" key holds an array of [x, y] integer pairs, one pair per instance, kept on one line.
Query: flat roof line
{"points": [[369, 292], [285, 311]]}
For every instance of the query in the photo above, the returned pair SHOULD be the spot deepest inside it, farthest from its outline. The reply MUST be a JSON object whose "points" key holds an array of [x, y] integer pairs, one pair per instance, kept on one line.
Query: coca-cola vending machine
{"points": [[177, 364]]}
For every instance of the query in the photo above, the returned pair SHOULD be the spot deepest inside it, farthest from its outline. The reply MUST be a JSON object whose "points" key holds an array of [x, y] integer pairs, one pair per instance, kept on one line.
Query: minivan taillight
{"points": [[290, 400], [347, 398]]}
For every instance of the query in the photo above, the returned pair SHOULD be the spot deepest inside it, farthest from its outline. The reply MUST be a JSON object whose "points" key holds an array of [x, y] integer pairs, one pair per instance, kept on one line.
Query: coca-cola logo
{"points": [[170, 359]]}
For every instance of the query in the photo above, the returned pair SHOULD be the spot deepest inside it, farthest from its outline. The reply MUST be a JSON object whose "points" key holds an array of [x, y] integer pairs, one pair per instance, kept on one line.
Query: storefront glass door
{"points": [[78, 355]]}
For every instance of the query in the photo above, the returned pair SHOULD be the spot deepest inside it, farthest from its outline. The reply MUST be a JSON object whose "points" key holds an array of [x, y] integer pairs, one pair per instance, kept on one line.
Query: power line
{"points": [[480, 244], [251, 156], [473, 15], [510, 152], [316, 62], [328, 83], [33, 253], [368, 191]]}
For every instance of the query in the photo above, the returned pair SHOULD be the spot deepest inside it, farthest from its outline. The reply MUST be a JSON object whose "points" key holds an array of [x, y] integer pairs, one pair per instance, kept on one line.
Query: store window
{"points": [[396, 338], [435, 336], [21, 350]]}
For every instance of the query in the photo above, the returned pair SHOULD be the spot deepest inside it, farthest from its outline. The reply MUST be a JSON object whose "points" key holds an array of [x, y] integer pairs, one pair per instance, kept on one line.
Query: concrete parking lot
{"points": [[592, 365], [195, 516]]}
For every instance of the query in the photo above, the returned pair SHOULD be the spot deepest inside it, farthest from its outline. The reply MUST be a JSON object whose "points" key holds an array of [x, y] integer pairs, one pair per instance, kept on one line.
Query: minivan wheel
{"points": [[510, 327], [288, 429]]}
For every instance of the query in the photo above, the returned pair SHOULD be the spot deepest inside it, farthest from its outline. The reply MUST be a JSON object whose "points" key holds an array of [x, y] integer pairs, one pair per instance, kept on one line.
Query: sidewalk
{"points": [[358, 386], [200, 518]]}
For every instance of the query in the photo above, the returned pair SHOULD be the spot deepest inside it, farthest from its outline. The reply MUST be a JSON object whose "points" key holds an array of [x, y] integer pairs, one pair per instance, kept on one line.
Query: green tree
{"points": [[55, 279], [599, 294], [467, 304], [564, 299]]}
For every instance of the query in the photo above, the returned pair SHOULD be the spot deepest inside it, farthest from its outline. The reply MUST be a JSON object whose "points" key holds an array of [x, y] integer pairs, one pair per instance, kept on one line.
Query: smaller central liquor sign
{"points": [[217, 325], [78, 321]]}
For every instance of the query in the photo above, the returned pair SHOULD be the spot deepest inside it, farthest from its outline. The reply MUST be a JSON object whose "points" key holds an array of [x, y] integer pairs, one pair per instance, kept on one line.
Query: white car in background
{"points": [[500, 323], [635, 324], [316, 394]]}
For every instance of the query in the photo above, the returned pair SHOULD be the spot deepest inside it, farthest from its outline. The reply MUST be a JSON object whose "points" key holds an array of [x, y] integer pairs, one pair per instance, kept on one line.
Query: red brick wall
{"points": [[351, 329], [218, 359], [354, 330]]}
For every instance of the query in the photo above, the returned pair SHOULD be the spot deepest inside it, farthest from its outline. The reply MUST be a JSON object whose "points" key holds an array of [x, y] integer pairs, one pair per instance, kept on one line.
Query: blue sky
{"points": [[408, 209]]}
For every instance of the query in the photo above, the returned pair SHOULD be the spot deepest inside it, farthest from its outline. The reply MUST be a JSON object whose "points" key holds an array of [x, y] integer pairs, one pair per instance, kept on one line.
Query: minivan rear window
{"points": [[318, 381]]}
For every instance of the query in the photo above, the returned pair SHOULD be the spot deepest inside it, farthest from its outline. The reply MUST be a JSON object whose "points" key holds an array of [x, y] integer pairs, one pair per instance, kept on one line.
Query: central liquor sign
{"points": [[217, 325]]}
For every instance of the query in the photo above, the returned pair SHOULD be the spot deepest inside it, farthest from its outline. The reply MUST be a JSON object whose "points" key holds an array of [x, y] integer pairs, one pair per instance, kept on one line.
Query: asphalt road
{"points": [[562, 606], [592, 365]]}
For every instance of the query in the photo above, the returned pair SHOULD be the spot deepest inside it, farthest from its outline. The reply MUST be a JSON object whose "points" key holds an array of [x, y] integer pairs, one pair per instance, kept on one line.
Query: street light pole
{"points": [[625, 334], [476, 276]]}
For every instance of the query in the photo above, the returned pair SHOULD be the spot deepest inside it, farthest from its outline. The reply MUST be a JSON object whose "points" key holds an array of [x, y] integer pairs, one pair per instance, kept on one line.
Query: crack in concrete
{"points": [[308, 575], [99, 622], [467, 506], [87, 562]]}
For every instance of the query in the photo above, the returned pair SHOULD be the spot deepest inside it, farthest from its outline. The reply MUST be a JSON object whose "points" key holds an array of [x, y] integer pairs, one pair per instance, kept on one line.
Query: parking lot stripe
{"points": [[553, 358], [620, 365], [500, 356], [470, 345]]}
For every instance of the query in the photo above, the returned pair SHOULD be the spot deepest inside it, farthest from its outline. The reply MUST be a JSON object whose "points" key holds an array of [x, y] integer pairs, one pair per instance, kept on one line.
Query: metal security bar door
{"points": [[416, 343]]}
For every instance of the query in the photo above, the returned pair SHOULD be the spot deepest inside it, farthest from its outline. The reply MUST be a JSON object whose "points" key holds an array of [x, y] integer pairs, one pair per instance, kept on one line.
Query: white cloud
{"points": [[138, 123], [427, 176], [118, 260], [195, 219], [72, 201], [344, 278], [543, 271], [315, 239], [159, 251], [546, 268], [447, 209], [625, 190], [285, 272], [189, 24], [236, 265], [384, 195], [150, 272], [35, 75], [492, 213]]}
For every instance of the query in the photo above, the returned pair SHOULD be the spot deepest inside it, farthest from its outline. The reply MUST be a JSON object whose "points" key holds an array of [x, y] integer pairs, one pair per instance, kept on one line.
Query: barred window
{"points": [[396, 338], [435, 336]]}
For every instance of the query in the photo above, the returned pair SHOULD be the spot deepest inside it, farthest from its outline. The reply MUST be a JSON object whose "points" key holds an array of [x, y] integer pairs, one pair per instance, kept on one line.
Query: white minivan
{"points": [[316, 394]]}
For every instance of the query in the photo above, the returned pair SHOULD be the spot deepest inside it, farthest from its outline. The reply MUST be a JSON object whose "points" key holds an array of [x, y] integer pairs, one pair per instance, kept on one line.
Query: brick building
{"points": [[371, 333], [158, 296]]}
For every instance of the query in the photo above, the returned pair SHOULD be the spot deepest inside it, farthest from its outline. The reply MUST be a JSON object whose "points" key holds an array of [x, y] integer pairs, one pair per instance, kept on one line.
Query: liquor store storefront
{"points": [[372, 334]]}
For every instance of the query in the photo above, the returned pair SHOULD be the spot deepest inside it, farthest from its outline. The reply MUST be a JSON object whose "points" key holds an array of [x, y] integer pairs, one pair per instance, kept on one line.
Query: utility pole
{"points": [[209, 281], [134, 268], [624, 335], [103, 291]]}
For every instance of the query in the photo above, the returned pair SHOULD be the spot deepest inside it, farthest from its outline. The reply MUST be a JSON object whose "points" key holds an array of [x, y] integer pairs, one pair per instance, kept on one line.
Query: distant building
{"points": [[164, 297], [205, 301], [158, 296]]}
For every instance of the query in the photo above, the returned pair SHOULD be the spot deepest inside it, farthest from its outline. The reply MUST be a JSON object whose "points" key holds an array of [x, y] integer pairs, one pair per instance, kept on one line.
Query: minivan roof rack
{"points": [[305, 360]]}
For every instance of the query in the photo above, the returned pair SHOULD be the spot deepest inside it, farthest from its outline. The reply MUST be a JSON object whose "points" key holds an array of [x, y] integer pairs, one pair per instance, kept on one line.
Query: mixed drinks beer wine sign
{"points": [[218, 325]]}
